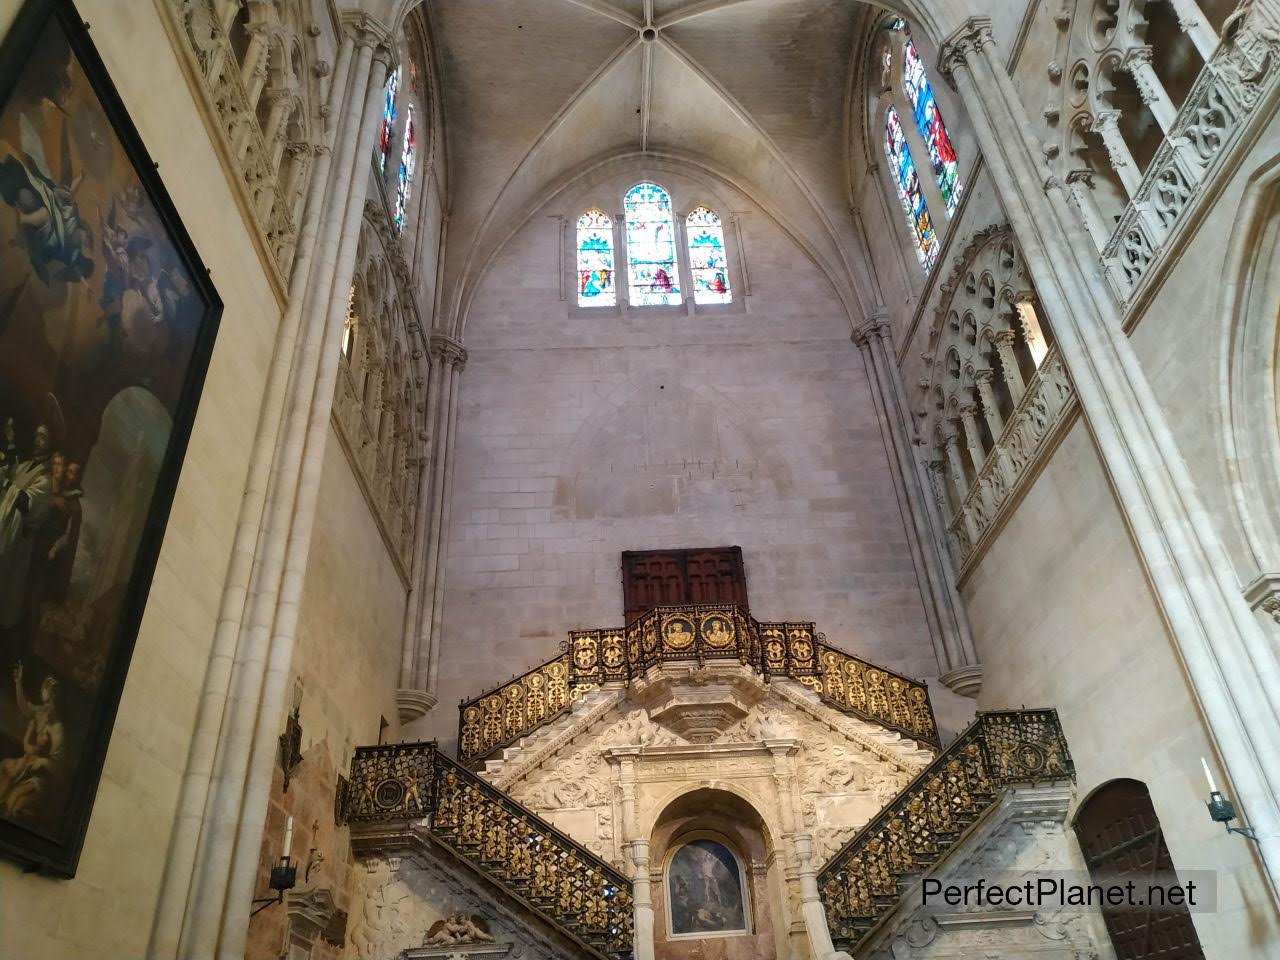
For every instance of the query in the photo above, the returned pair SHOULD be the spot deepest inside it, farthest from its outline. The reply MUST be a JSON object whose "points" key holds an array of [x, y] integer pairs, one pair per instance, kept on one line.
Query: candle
{"points": [[1213, 787], [288, 838]]}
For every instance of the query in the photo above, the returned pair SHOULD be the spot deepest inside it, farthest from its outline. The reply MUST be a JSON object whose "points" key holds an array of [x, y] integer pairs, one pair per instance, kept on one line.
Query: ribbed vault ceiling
{"points": [[536, 91]]}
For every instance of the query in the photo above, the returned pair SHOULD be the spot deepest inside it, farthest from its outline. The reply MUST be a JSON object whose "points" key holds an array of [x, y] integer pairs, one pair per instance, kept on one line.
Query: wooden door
{"points": [[656, 578], [1120, 835]]}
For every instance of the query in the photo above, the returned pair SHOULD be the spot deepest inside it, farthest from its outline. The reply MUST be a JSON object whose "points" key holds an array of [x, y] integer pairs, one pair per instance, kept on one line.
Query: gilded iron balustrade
{"points": [[501, 717], [570, 887], [864, 880], [874, 693], [697, 633]]}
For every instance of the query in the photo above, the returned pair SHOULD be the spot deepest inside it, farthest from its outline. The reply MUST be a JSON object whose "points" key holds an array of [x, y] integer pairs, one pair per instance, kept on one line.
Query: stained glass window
{"points": [[595, 260], [942, 155], [707, 261], [653, 277], [388, 127], [404, 178], [904, 174]]}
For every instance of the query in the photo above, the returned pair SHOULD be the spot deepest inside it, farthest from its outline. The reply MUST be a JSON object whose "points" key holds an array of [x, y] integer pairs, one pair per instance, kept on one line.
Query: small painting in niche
{"points": [[705, 890]]}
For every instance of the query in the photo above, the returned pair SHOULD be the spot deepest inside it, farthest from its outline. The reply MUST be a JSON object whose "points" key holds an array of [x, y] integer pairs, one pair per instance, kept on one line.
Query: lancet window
{"points": [[404, 178], [707, 261], [387, 128], [595, 260], [653, 273]]}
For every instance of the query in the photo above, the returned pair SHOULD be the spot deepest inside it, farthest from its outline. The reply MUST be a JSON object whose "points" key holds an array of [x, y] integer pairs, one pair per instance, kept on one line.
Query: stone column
{"points": [[279, 622], [1138, 62], [1196, 26], [453, 360], [414, 702], [1231, 663], [1107, 126], [955, 465], [926, 528], [1009, 368], [642, 896], [188, 864], [1080, 188], [990, 409], [815, 915], [641, 886], [972, 435]]}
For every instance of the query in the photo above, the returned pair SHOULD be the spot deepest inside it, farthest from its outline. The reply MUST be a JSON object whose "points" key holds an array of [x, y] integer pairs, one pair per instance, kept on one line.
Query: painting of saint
{"points": [[705, 890], [107, 320]]}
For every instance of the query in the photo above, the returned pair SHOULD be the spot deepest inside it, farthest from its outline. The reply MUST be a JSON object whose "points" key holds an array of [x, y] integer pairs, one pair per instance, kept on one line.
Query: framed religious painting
{"points": [[107, 322]]}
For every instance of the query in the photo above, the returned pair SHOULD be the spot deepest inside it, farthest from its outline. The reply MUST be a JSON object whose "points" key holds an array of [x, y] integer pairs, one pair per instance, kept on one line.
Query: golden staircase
{"points": [[404, 794], [695, 633], [864, 880], [392, 788]]}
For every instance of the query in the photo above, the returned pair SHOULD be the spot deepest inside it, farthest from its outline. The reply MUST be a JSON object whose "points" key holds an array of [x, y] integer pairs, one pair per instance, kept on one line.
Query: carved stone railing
{"points": [[864, 881], [1048, 397], [268, 198], [696, 633], [564, 883], [1220, 103]]}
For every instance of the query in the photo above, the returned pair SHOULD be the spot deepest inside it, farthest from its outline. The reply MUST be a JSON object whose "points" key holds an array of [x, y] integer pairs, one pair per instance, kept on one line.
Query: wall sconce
{"points": [[283, 875], [1222, 810], [291, 739]]}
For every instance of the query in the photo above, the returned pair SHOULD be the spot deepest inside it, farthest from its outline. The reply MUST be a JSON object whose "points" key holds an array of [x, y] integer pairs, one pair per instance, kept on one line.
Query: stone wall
{"points": [[583, 433]]}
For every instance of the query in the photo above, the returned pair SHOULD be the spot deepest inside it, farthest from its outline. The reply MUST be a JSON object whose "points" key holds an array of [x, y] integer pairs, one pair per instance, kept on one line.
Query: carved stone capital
{"points": [[965, 42], [876, 325], [369, 31], [448, 350], [985, 375], [1264, 594], [1005, 338]]}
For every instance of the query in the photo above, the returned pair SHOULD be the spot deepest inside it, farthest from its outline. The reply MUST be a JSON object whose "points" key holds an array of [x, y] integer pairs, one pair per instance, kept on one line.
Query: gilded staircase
{"points": [[405, 796]]}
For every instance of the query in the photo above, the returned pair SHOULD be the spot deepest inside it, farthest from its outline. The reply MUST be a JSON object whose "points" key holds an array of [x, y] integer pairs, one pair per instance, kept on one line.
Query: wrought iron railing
{"points": [[570, 887], [697, 633], [864, 880]]}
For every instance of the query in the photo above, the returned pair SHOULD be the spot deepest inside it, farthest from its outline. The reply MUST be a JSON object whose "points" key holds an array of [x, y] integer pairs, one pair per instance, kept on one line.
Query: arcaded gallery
{"points": [[640, 479]]}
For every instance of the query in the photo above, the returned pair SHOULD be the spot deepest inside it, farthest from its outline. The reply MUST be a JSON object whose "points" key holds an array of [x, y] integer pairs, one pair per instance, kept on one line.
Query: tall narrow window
{"points": [[904, 174], [388, 127], [595, 260], [707, 261], [924, 108], [404, 178], [653, 277]]}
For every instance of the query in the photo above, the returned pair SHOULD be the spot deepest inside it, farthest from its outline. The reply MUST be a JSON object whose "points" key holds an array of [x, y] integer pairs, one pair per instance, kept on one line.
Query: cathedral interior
{"points": [[639, 479]]}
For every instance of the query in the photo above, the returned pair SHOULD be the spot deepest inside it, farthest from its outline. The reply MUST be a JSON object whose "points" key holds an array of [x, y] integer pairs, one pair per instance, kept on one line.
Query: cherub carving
{"points": [[458, 928]]}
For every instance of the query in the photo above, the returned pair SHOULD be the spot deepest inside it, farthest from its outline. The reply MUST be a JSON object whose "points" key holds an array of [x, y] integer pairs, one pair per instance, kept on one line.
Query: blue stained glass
{"points": [[653, 277], [387, 129], [908, 182], [707, 260], [408, 160], [595, 260], [928, 118]]}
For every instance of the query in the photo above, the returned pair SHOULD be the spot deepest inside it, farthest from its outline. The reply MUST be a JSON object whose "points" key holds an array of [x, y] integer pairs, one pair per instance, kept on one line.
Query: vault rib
{"points": [[696, 10], [860, 285], [483, 226], [646, 98], [610, 12]]}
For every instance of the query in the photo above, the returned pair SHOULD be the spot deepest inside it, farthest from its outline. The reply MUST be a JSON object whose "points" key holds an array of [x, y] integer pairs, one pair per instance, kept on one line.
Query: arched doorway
{"points": [[713, 883], [1120, 836]]}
